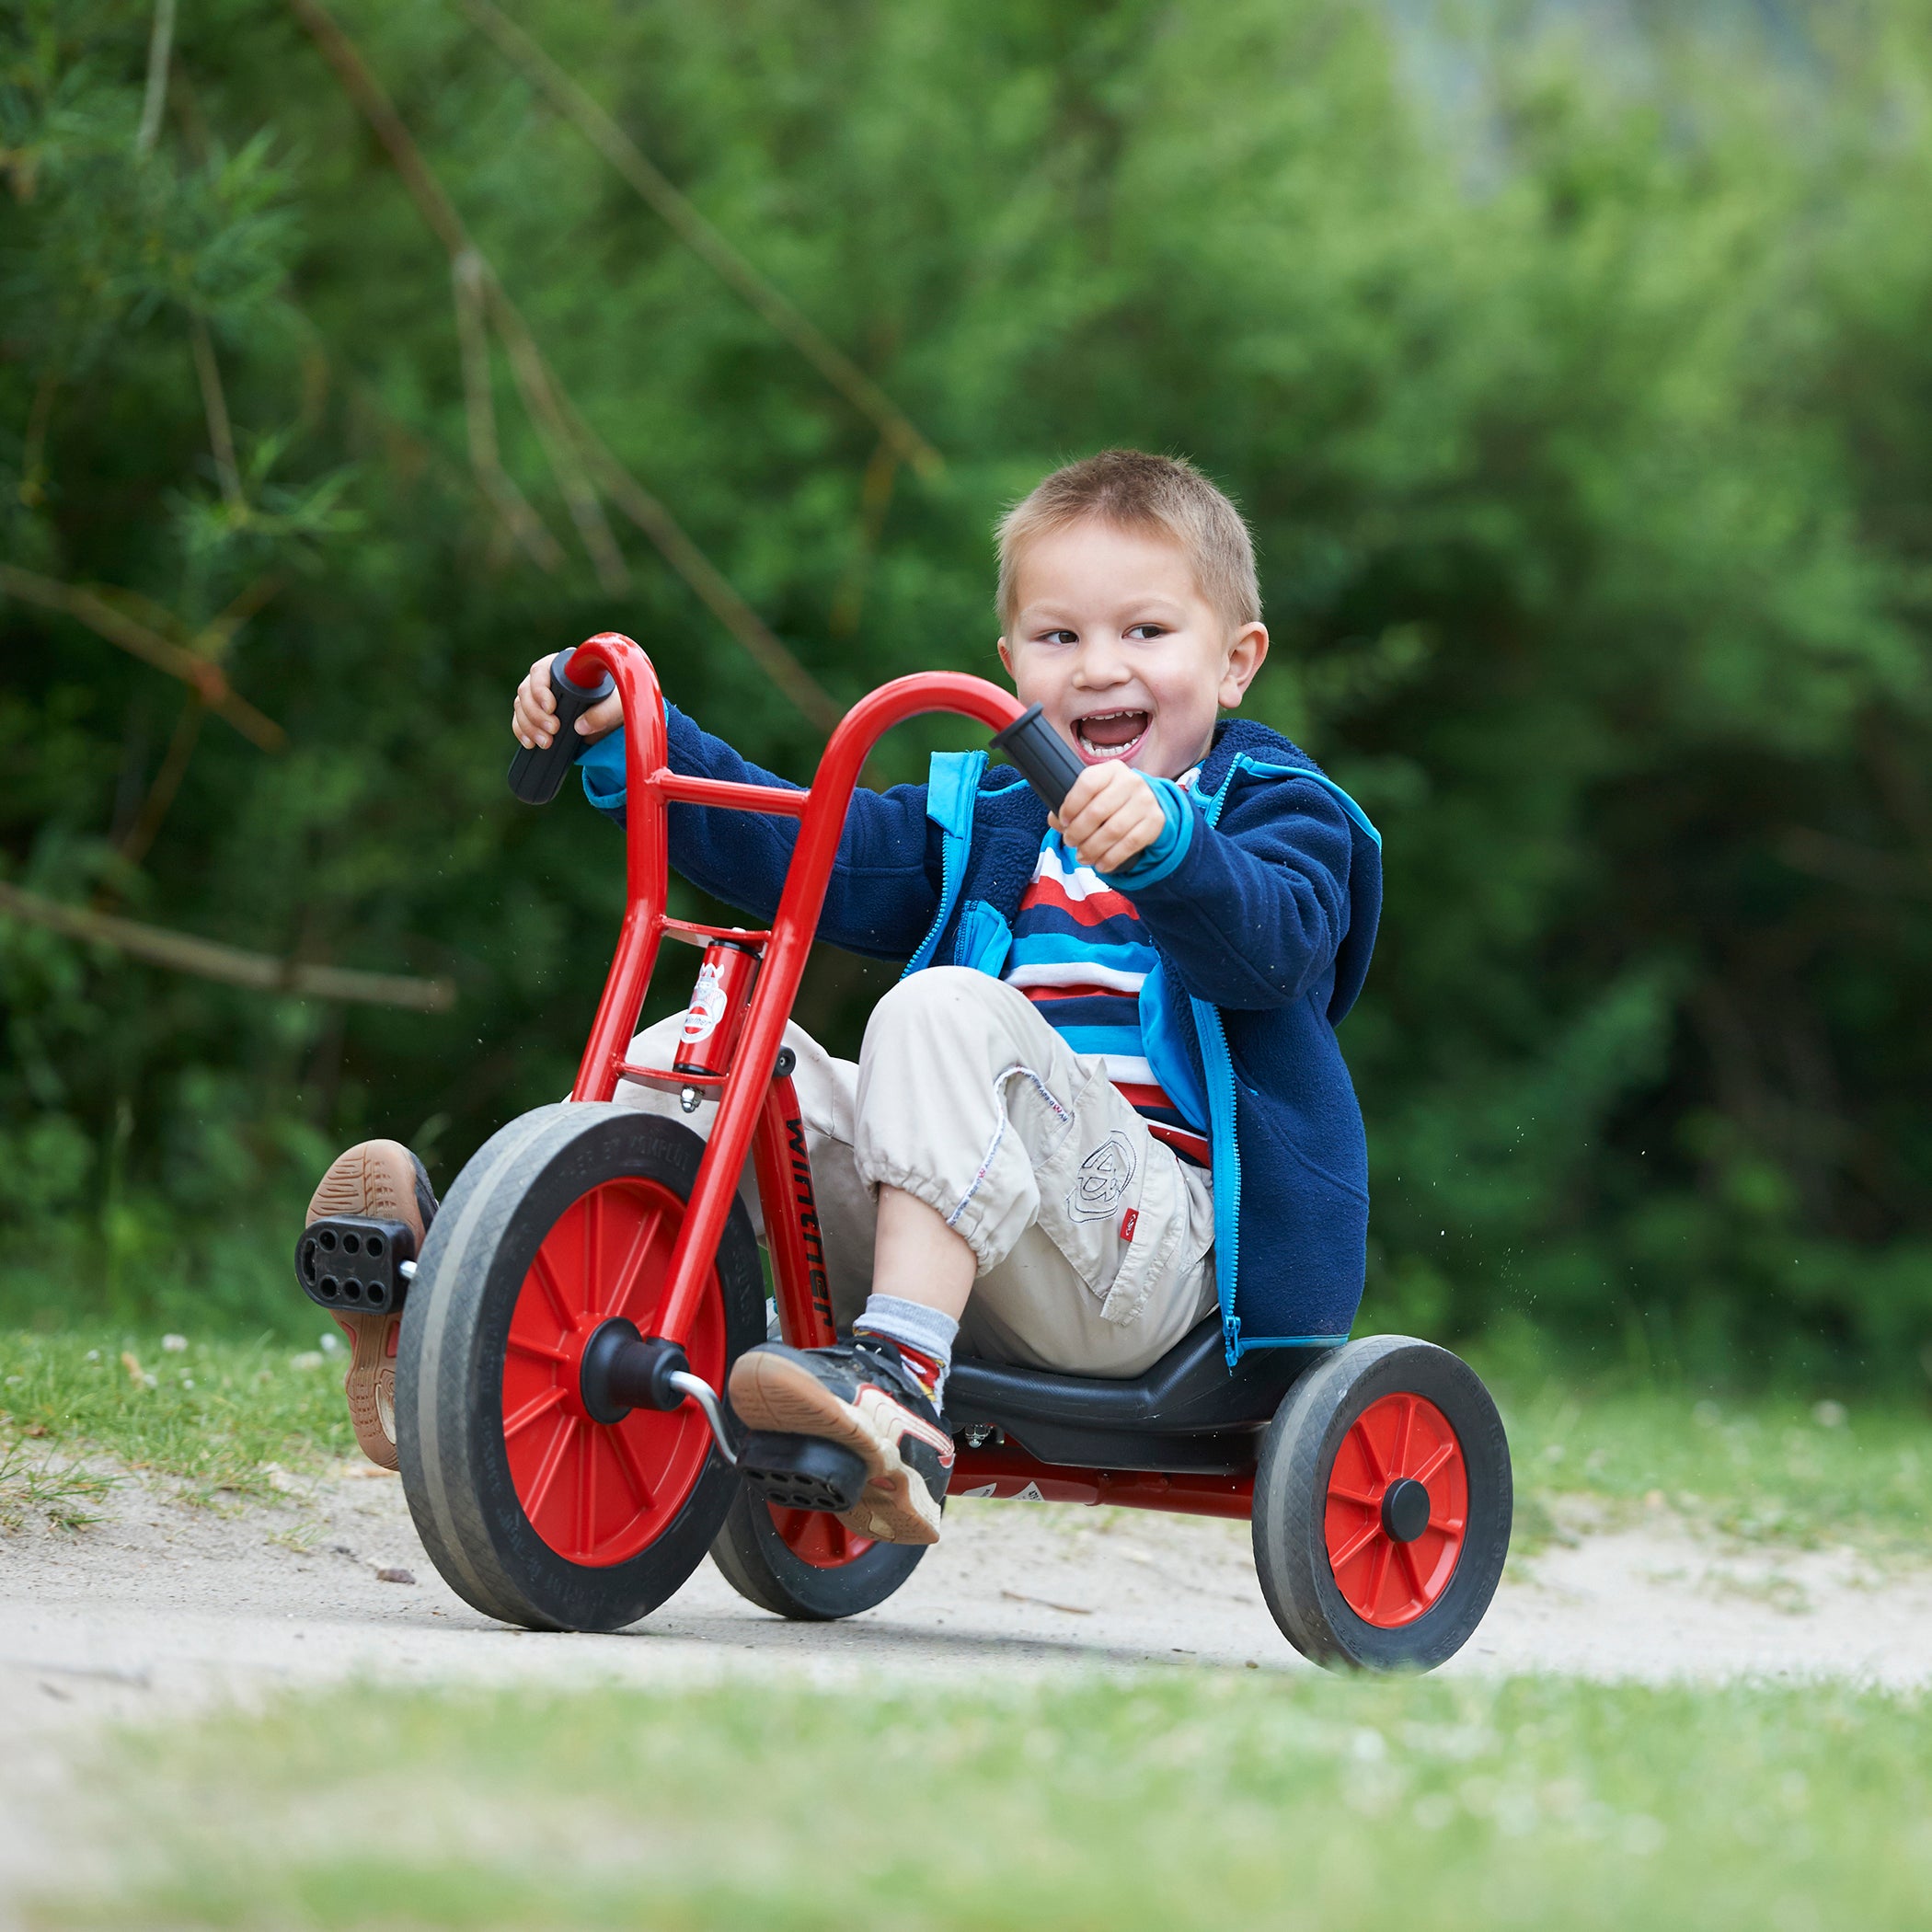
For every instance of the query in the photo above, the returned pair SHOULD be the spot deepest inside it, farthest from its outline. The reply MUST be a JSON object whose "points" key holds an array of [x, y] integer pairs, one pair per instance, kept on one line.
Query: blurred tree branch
{"points": [[875, 496], [1843, 861], [214, 405], [703, 240], [480, 416], [160, 50], [160, 796], [92, 608], [208, 959], [569, 440]]}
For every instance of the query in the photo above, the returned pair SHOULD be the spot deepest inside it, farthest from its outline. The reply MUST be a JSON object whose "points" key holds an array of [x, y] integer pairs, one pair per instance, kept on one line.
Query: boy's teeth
{"points": [[1110, 734]]}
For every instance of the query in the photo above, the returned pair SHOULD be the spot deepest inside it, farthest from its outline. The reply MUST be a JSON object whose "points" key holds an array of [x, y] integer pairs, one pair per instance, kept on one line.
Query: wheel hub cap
{"points": [[1404, 1508]]}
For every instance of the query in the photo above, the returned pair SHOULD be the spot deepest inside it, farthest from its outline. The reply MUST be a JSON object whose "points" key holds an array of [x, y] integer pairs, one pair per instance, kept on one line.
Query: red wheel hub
{"points": [[1389, 1562], [820, 1539], [598, 1493]]}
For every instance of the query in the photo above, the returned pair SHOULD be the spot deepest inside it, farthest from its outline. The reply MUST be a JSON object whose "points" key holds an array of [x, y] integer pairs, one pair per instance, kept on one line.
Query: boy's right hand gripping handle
{"points": [[1047, 761], [538, 771]]}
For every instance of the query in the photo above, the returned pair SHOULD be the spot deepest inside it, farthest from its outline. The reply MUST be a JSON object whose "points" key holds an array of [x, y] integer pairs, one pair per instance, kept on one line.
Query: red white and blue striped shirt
{"points": [[1081, 955]]}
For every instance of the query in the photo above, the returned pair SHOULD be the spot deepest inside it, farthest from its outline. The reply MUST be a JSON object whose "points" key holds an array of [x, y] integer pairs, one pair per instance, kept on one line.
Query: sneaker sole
{"points": [[379, 1178], [770, 1392]]}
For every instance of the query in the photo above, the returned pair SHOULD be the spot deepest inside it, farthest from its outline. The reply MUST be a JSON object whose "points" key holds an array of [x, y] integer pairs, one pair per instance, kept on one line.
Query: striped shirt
{"points": [[1081, 955]]}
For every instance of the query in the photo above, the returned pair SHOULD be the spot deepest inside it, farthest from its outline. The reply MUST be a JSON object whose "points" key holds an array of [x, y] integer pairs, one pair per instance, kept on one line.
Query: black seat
{"points": [[1189, 1413]]}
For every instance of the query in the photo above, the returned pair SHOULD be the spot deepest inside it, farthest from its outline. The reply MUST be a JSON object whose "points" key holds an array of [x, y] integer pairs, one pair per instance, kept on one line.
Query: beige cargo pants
{"points": [[1092, 1237]]}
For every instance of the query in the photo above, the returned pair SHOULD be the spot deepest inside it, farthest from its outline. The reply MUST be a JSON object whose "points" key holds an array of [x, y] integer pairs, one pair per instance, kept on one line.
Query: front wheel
{"points": [[1382, 1508], [534, 1511], [805, 1564]]}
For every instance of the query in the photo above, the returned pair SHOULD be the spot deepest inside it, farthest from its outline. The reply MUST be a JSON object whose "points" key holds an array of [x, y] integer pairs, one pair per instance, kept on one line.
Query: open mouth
{"points": [[1110, 734]]}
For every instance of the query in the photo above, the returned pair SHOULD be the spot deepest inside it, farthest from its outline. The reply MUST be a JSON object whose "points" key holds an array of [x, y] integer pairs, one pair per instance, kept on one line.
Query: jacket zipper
{"points": [[1219, 1067]]}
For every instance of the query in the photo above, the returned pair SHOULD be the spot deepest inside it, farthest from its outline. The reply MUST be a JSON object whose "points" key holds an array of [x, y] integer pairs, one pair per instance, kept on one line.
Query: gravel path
{"points": [[161, 1608]]}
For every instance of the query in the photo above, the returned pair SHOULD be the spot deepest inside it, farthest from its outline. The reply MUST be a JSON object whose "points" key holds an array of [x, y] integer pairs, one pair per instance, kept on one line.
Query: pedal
{"points": [[801, 1472], [350, 1265]]}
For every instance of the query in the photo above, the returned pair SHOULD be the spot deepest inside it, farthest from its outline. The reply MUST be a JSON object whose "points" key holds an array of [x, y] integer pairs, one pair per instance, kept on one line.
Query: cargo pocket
{"points": [[1112, 1201]]}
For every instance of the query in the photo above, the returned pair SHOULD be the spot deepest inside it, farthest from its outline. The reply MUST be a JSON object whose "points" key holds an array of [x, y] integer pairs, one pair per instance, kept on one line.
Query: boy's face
{"points": [[1115, 643]]}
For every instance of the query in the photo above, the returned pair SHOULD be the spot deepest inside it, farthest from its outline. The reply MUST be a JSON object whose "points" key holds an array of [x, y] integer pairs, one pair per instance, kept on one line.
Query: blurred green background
{"points": [[1574, 366]]}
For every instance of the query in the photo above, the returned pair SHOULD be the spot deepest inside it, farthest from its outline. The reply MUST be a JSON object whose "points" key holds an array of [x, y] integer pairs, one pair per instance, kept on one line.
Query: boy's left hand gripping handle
{"points": [[537, 771]]}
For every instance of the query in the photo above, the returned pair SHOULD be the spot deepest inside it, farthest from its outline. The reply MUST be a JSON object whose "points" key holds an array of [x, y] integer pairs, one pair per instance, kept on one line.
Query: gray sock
{"points": [[912, 1326]]}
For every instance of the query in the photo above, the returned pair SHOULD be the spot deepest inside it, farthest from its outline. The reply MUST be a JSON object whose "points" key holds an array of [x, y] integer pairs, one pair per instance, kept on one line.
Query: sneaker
{"points": [[384, 1181], [862, 1396]]}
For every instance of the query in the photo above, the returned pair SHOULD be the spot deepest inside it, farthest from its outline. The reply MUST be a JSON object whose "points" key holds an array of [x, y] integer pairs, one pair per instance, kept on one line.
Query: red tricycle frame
{"points": [[758, 1113]]}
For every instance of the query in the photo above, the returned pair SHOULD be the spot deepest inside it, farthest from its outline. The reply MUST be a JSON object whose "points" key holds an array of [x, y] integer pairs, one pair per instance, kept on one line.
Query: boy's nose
{"points": [[1098, 666]]}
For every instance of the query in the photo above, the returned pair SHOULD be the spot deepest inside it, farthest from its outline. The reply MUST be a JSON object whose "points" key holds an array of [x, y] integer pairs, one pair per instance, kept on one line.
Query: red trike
{"points": [[592, 1276]]}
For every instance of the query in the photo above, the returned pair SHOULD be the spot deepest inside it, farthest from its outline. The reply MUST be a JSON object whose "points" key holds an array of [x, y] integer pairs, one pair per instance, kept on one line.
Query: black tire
{"points": [[450, 1369], [1292, 1486], [758, 1563]]}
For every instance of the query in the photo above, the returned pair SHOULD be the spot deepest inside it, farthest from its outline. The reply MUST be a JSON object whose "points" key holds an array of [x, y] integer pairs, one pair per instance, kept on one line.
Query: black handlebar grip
{"points": [[1047, 761], [537, 771]]}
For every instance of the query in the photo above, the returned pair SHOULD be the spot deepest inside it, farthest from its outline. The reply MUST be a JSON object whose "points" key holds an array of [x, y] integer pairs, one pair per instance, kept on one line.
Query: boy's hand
{"points": [[1110, 817], [534, 715]]}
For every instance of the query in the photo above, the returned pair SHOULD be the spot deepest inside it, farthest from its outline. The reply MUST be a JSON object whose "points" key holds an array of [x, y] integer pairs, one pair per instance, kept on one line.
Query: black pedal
{"points": [[353, 1265], [801, 1472]]}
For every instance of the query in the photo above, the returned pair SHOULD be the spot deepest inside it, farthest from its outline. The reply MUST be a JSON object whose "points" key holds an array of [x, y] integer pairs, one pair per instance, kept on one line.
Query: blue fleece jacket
{"points": [[1261, 905]]}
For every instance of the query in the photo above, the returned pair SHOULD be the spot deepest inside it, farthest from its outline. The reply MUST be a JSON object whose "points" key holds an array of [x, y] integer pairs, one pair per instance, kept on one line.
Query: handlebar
{"points": [[538, 771], [537, 774], [1046, 761]]}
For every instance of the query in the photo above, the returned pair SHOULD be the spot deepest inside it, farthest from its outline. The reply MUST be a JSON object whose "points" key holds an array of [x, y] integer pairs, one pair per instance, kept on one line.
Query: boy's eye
{"points": [[1059, 637], [1146, 630]]}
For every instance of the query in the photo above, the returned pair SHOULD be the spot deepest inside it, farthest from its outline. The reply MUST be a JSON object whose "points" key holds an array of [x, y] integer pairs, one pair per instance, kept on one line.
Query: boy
{"points": [[1171, 952]]}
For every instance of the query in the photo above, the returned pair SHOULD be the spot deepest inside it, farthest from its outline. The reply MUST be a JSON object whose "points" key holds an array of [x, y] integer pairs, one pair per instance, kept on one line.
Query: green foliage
{"points": [[1572, 385], [1177, 1800]]}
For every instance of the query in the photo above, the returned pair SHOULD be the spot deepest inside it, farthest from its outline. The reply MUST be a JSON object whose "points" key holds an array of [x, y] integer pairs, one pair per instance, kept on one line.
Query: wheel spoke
{"points": [[532, 1411], [586, 1498], [1433, 1462], [546, 1476], [633, 1471], [1405, 1429], [1356, 1544], [1378, 1571], [1337, 1493], [1417, 1593], [546, 1280], [522, 1345], [632, 1272], [1377, 1474]]}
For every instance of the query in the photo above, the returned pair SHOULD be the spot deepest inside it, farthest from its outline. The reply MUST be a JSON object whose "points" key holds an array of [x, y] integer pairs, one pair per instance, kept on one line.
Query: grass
{"points": [[1197, 1799], [58, 1493], [1775, 1469], [217, 1415]]}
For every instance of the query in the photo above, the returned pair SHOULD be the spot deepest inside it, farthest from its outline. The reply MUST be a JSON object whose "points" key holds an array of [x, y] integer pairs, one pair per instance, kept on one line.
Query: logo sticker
{"points": [[1103, 1180], [1129, 1222], [707, 1006]]}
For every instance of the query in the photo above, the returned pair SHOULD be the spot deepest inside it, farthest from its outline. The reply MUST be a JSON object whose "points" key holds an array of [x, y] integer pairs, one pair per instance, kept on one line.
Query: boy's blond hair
{"points": [[1163, 496]]}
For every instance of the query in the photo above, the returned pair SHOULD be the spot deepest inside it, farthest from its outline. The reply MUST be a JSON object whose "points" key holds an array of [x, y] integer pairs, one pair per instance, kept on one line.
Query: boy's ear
{"points": [[1245, 656], [1006, 656]]}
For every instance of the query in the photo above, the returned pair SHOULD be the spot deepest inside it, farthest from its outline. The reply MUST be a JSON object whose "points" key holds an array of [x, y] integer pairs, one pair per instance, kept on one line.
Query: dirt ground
{"points": [[161, 1608]]}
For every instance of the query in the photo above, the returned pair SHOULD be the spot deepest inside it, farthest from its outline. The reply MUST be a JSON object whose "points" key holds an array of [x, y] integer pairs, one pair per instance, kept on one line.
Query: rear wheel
{"points": [[1383, 1504], [535, 1512], [805, 1564]]}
